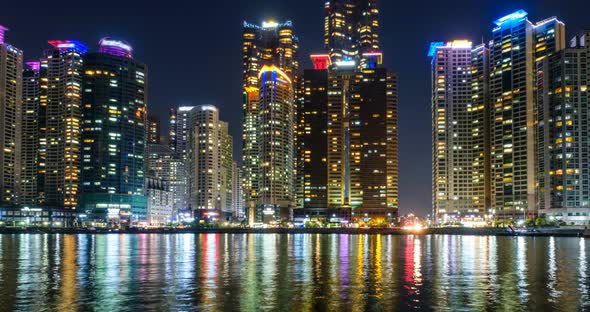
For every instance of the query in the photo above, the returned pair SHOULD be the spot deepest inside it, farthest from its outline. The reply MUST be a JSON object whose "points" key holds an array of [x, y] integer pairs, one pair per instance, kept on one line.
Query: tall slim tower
{"points": [[564, 83], [276, 135], [11, 67], [114, 133], [226, 167], [312, 136], [209, 162], [512, 115], [458, 130], [272, 44], [59, 124], [204, 159], [30, 134]]}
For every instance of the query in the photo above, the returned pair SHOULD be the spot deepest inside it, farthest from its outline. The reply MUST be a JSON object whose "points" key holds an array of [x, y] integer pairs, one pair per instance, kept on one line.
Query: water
{"points": [[265, 272]]}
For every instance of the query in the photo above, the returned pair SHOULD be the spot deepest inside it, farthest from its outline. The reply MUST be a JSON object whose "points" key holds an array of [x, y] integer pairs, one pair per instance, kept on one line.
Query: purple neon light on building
{"points": [[2, 30], [34, 66], [115, 47]]}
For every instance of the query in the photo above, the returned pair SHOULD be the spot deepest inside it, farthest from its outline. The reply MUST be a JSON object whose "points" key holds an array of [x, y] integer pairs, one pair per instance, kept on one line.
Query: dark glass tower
{"points": [[312, 137], [114, 134]]}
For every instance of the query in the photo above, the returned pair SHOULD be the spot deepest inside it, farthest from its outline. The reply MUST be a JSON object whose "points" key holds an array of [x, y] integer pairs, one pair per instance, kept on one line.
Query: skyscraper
{"points": [[237, 193], [459, 93], [312, 136], [226, 167], [516, 46], [362, 157], [30, 134], [563, 144], [374, 142], [276, 124], [351, 28], [347, 146], [114, 134], [11, 66], [59, 124], [209, 169], [273, 44]]}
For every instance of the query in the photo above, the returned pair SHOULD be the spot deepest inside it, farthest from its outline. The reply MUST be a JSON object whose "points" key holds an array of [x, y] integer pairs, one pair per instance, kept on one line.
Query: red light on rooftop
{"points": [[321, 61]]}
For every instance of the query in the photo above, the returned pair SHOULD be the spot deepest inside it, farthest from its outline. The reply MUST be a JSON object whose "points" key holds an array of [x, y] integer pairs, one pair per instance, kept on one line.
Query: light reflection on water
{"points": [[253, 272]]}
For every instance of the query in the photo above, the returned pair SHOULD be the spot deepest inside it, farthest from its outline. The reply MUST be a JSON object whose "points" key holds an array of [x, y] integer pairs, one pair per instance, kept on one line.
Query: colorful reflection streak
{"points": [[255, 272]]}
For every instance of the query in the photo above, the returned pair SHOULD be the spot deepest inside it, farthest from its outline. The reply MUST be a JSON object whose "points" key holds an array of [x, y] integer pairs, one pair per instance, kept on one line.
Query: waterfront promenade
{"points": [[552, 231]]}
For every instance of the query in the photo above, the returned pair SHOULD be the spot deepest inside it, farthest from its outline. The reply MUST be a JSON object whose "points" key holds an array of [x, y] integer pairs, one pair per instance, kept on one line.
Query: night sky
{"points": [[193, 51]]}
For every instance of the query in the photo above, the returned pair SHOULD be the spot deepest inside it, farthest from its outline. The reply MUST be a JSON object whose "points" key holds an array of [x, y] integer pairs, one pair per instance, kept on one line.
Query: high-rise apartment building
{"points": [[11, 67], [351, 28], [114, 134], [238, 211], [226, 163], [516, 48], [459, 85], [275, 138], [209, 163], [30, 134], [269, 44], [563, 141], [60, 108]]}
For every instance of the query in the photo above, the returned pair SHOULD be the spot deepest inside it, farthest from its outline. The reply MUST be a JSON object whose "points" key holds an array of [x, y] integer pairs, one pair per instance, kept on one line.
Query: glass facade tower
{"points": [[114, 134]]}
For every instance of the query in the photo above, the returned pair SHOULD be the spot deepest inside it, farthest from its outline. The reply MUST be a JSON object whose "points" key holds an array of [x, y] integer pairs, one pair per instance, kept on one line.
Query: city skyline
{"points": [[414, 108]]}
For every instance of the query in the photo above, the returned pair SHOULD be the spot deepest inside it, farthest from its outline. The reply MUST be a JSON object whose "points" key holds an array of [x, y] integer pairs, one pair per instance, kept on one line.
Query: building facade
{"points": [[60, 110], [276, 152], [210, 157], [30, 135], [459, 92], [563, 142], [238, 208], [11, 79], [160, 205], [114, 134], [516, 49], [312, 137], [165, 164], [268, 44]]}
